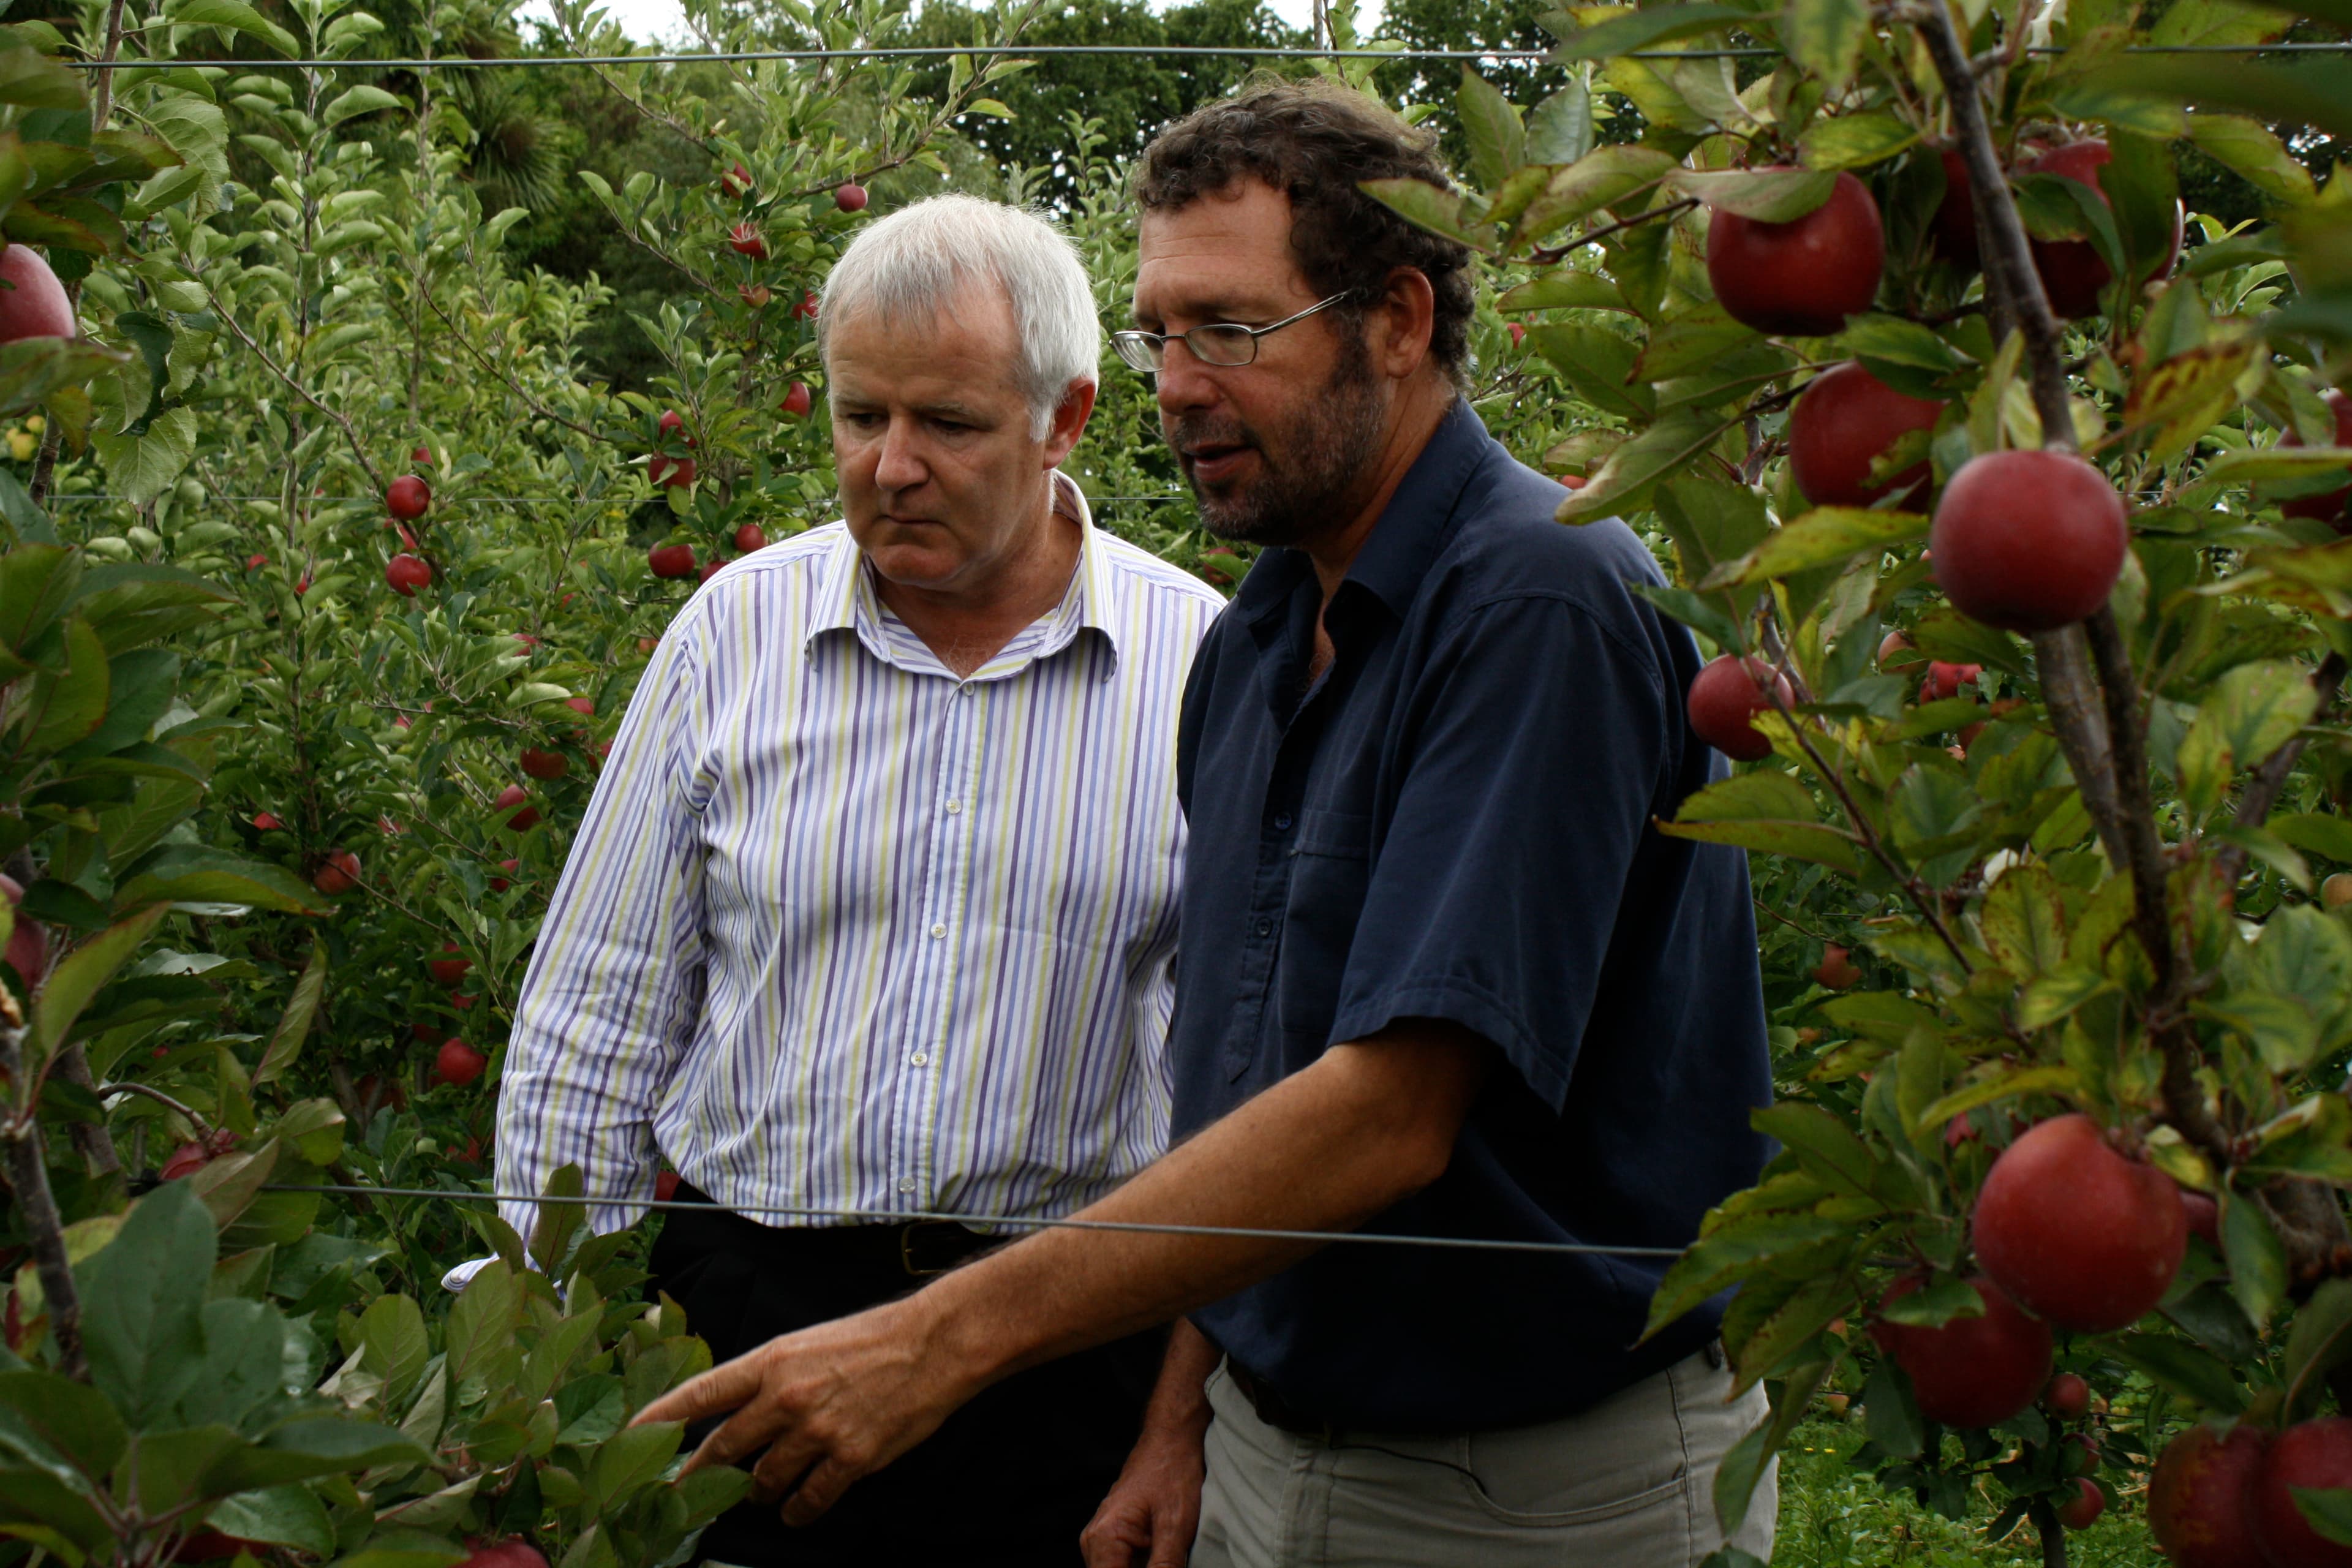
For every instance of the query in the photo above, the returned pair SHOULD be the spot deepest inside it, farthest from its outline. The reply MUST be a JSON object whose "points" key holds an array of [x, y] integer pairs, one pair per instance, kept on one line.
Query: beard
{"points": [[1325, 442]]}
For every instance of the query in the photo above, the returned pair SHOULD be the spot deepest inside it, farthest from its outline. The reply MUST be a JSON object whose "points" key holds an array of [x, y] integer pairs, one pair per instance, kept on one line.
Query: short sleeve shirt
{"points": [[1458, 822]]}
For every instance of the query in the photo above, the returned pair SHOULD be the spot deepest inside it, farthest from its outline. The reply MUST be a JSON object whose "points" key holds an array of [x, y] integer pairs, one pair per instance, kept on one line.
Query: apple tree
{"points": [[2020, 536]]}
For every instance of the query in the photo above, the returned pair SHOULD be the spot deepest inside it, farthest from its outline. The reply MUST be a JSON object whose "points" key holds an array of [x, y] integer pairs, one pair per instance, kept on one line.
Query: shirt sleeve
{"points": [[616, 984], [1530, 753]]}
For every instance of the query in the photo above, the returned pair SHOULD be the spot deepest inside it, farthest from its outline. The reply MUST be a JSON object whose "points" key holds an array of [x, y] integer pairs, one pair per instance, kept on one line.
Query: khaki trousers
{"points": [[1627, 1484]]}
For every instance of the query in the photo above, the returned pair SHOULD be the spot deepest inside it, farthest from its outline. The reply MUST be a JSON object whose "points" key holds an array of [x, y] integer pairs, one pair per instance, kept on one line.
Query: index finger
{"points": [[721, 1389]]}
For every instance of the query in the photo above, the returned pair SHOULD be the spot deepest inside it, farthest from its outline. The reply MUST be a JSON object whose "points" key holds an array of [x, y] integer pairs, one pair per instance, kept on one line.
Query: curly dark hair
{"points": [[1313, 141]]}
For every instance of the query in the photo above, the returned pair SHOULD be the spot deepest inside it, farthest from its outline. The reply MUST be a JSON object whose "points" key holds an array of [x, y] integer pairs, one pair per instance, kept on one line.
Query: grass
{"points": [[1834, 1516]]}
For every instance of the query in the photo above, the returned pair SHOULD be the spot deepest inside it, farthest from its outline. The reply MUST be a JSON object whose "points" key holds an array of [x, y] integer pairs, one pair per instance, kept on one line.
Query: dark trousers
{"points": [[1008, 1481]]}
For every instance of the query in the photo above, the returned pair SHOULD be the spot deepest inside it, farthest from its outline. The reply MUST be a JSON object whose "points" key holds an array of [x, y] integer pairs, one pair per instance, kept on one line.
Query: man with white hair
{"points": [[875, 908]]}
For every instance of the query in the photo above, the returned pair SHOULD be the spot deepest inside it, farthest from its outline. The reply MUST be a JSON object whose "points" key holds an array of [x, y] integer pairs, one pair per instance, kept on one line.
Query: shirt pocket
{"points": [[1330, 868]]}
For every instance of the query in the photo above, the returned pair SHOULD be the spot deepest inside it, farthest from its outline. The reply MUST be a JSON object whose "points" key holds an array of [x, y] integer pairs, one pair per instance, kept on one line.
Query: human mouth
{"points": [[1212, 465]]}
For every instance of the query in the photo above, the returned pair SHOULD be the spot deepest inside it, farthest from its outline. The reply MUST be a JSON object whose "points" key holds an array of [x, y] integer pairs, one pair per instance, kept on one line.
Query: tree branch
{"points": [[350, 435], [2254, 806], [29, 1173], [488, 363]]}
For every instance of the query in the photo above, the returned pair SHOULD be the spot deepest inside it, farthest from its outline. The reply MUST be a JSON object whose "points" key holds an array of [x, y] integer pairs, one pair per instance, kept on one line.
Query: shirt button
{"points": [[1265, 927], [938, 931], [954, 806], [907, 1184], [919, 1059], [1282, 822]]}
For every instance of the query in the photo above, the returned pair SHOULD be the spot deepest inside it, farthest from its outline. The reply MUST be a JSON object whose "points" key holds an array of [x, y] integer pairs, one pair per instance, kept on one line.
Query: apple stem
{"points": [[29, 1175], [194, 1118], [1560, 252], [2053, 1533]]}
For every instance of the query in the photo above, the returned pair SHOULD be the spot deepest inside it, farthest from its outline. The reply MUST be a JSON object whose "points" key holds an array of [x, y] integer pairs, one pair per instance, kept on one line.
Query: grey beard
{"points": [[1327, 448]]}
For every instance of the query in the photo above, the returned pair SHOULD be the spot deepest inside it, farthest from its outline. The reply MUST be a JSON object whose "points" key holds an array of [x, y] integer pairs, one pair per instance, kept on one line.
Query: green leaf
{"points": [[631, 1458], [1826, 38], [170, 1466], [1933, 809], [1691, 340], [294, 1024], [2249, 147], [1601, 178], [29, 79], [1564, 290], [1941, 1300], [1850, 141], [1598, 363], [2057, 992], [357, 100], [316, 1446], [1722, 1258], [552, 1231], [1426, 205], [483, 1318], [1821, 537], [1498, 141], [2319, 832], [2006, 1083], [1642, 28], [142, 1303], [393, 1345], [68, 706], [77, 976], [2023, 919], [2183, 1368], [69, 1420], [1560, 130], [1824, 1146], [2328, 1509], [1742, 1468], [276, 1516], [1764, 811], [2257, 1260], [237, 17], [200, 874], [1890, 1413], [1766, 195], [2317, 1342]]}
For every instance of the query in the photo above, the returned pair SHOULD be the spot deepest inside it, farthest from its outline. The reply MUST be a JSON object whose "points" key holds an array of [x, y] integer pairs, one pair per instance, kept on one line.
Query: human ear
{"points": [[1401, 324], [1070, 416]]}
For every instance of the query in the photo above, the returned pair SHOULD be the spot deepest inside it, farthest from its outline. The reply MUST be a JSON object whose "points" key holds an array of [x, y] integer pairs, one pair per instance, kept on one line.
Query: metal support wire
{"points": [[1041, 51], [1021, 1222]]}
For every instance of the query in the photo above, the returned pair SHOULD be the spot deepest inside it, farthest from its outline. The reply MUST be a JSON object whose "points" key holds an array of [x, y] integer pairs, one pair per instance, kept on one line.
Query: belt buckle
{"points": [[906, 1245]]}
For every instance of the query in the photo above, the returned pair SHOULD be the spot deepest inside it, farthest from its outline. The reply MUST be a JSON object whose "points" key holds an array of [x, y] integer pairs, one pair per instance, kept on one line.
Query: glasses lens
{"points": [[1141, 351], [1221, 345]]}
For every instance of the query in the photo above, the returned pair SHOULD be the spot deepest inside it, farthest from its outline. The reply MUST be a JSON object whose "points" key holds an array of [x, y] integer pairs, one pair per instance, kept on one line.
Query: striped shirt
{"points": [[844, 931]]}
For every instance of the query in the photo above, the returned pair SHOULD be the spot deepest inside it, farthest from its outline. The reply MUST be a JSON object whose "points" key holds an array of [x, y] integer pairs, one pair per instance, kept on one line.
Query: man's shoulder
{"points": [[1510, 546], [1132, 570]]}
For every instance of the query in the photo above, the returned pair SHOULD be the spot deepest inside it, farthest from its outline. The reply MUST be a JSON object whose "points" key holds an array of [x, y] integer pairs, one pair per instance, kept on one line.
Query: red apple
{"points": [[543, 765], [500, 884], [736, 182], [35, 305], [2076, 1232], [745, 240], [449, 971], [797, 400], [1837, 970], [664, 1186], [1725, 696], [2068, 1396], [671, 560], [425, 1032], [670, 423], [2314, 1455], [1845, 420], [711, 568], [340, 874], [2204, 1217], [2073, 274], [29, 942], [421, 455], [2028, 540], [807, 309], [1943, 680], [526, 640], [1953, 232], [406, 574], [755, 295], [675, 472], [1518, 333], [2332, 508], [266, 822], [2083, 1510], [407, 498], [1892, 643], [513, 795], [1803, 278], [256, 562], [458, 1064], [1971, 1372], [749, 538], [462, 1002], [2200, 1497], [581, 704], [514, 1553], [850, 198]]}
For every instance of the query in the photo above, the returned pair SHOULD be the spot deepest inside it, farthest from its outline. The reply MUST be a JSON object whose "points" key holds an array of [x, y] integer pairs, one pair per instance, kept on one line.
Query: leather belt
{"points": [[1275, 1410], [928, 1246]]}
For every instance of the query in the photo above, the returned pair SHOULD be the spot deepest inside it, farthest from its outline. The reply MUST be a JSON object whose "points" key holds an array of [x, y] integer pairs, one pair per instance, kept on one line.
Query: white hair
{"points": [[911, 265]]}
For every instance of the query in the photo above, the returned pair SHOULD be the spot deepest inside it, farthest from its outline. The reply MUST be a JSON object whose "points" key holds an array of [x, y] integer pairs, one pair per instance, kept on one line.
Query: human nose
{"points": [[1183, 382], [900, 466]]}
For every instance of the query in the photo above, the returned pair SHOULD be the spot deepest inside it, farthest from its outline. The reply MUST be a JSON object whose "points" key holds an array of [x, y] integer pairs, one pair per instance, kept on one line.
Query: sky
{"points": [[662, 21]]}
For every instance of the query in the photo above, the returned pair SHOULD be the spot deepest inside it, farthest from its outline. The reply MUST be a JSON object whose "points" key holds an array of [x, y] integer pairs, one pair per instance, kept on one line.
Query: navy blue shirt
{"points": [[1458, 822]]}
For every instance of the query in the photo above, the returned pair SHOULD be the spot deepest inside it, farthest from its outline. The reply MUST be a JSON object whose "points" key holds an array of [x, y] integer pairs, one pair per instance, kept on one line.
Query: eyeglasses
{"points": [[1219, 342]]}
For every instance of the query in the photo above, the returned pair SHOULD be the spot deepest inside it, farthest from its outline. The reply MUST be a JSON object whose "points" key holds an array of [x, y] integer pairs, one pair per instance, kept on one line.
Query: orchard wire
{"points": [[1025, 1222], [947, 51]]}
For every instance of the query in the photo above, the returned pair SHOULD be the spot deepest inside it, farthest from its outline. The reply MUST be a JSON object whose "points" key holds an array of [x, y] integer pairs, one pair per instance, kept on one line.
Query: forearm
{"points": [[1180, 1400], [1324, 1150]]}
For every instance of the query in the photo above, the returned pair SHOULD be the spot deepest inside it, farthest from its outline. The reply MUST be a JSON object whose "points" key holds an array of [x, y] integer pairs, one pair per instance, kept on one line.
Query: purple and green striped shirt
{"points": [[842, 930]]}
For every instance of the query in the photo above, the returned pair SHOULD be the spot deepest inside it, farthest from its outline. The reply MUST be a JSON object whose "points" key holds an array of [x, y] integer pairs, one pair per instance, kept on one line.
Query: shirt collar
{"points": [[1417, 520], [847, 600]]}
